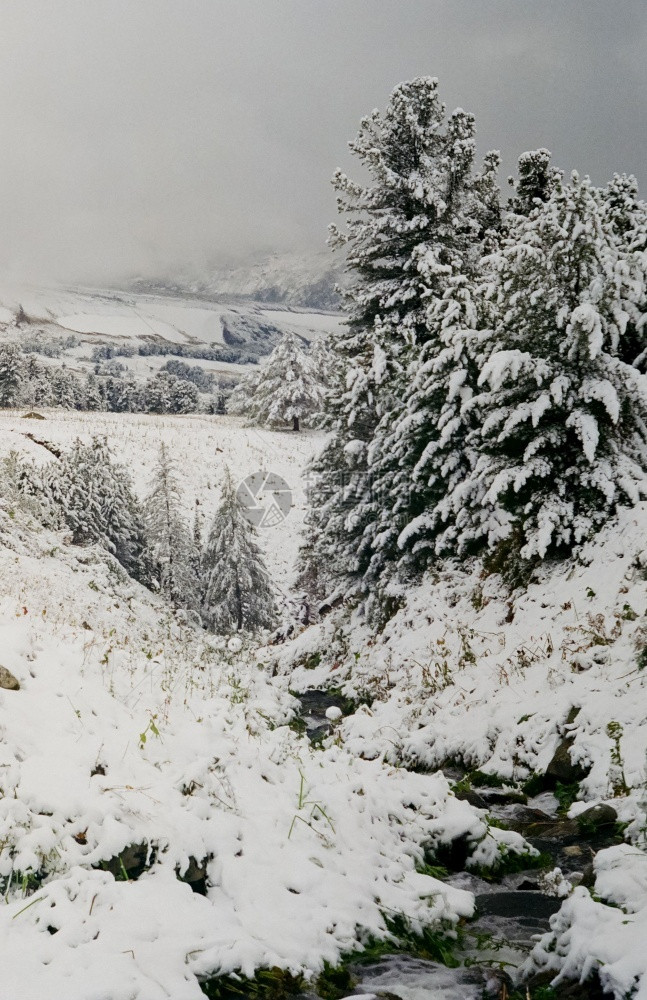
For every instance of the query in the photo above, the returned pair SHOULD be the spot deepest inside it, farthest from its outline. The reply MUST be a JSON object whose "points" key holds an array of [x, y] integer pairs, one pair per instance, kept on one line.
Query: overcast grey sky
{"points": [[153, 135]]}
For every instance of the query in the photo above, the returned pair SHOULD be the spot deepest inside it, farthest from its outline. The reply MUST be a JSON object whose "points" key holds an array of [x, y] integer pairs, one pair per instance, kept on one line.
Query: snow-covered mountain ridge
{"points": [[306, 281]]}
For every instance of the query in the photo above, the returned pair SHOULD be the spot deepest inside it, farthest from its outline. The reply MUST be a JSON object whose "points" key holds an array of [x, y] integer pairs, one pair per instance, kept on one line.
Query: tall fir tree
{"points": [[536, 180], [169, 544], [422, 451], [625, 217], [420, 223], [237, 592]]}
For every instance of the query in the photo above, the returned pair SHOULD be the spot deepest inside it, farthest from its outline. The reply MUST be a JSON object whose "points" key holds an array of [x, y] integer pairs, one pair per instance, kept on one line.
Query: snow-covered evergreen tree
{"points": [[625, 218], [12, 365], [95, 497], [167, 538], [563, 419], [284, 390], [237, 592], [420, 223], [422, 450], [536, 181]]}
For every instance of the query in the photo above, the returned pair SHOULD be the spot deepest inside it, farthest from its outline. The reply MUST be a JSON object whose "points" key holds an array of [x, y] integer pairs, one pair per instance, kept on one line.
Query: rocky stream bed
{"points": [[511, 908]]}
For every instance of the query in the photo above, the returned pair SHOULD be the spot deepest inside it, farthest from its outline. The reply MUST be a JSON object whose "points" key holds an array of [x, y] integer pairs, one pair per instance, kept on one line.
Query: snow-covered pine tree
{"points": [[35, 389], [67, 389], [237, 594], [329, 372], [536, 180], [184, 396], [168, 542], [284, 390], [93, 397], [95, 497], [422, 451], [12, 367], [563, 438], [239, 401], [421, 221], [625, 217]]}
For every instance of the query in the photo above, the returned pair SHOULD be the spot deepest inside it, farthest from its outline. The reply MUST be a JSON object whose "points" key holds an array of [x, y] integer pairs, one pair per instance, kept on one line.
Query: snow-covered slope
{"points": [[130, 729], [234, 331], [467, 672], [159, 821]]}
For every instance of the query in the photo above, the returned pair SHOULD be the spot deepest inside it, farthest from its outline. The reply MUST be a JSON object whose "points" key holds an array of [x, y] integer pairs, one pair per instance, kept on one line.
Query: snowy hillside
{"points": [[510, 686], [200, 446], [161, 824], [235, 332], [301, 280], [168, 823]]}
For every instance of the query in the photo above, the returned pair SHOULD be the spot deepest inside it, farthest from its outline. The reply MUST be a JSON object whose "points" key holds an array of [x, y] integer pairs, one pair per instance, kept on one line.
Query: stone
{"points": [[130, 863], [8, 681], [598, 816], [562, 768], [472, 796], [535, 823]]}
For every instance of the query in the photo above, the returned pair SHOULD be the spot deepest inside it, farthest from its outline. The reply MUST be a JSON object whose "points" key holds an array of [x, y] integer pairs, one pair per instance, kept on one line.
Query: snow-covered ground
{"points": [[140, 755], [130, 728], [467, 672]]}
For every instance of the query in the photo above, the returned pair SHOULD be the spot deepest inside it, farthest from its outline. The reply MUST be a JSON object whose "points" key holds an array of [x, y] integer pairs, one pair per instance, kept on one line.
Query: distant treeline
{"points": [[177, 388]]}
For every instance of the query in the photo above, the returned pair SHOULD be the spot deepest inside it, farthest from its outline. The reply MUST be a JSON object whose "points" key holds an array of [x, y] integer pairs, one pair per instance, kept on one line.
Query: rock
{"points": [[588, 876], [472, 796], [130, 863], [562, 768], [533, 823], [196, 875], [588, 990], [8, 681], [573, 851], [597, 817]]}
